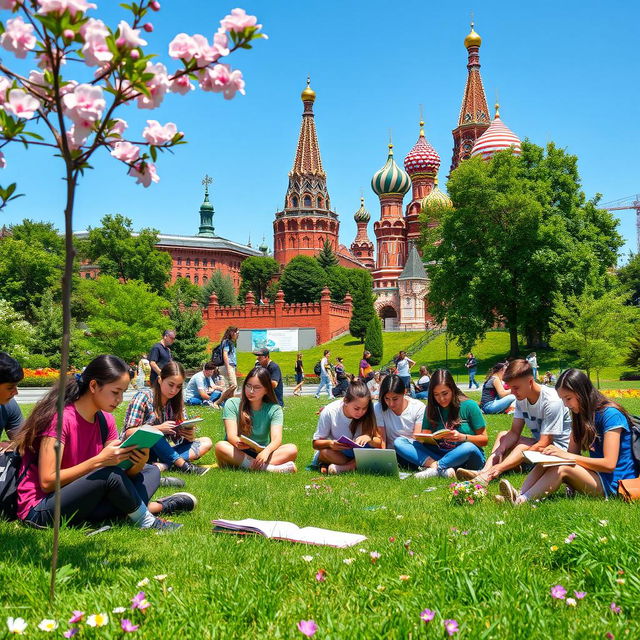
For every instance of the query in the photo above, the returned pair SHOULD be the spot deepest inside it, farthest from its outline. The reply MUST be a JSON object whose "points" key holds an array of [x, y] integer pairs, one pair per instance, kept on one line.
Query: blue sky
{"points": [[564, 71]]}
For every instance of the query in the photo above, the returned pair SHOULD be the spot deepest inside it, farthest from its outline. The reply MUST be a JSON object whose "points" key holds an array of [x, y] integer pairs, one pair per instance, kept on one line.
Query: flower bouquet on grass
{"points": [[467, 492]]}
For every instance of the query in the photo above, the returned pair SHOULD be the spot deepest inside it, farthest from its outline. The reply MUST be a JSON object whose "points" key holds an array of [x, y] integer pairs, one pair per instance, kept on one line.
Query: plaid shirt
{"points": [[140, 412]]}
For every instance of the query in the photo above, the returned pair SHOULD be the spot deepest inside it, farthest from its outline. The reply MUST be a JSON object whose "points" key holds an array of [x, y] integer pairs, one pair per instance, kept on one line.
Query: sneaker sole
{"points": [[466, 474], [507, 491]]}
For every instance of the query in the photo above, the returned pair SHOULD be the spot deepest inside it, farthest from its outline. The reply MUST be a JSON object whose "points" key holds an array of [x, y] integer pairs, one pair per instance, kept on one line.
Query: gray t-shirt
{"points": [[402, 425], [548, 416]]}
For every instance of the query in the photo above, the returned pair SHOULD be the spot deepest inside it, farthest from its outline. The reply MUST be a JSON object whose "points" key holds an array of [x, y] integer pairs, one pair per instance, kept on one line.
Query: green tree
{"points": [[256, 273], [326, 257], [593, 330], [222, 284], [42, 233], [339, 282], [629, 277], [124, 319], [363, 298], [16, 334], [522, 233], [189, 348], [303, 280], [183, 291], [127, 256], [373, 340]]}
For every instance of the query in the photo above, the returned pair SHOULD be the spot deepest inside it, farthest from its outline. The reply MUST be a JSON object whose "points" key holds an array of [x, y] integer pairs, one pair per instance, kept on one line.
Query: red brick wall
{"points": [[329, 319]]}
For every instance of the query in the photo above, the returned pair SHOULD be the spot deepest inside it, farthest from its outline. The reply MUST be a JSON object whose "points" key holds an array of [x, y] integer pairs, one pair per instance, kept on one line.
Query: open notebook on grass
{"points": [[279, 530], [535, 457]]}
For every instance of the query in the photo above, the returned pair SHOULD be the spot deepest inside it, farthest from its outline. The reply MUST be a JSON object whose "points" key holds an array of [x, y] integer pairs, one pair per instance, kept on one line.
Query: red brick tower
{"points": [[306, 220], [362, 247], [474, 117], [422, 164]]}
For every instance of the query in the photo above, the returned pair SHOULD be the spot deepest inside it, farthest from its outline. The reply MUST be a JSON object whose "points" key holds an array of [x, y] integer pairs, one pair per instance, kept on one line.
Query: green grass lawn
{"points": [[488, 566]]}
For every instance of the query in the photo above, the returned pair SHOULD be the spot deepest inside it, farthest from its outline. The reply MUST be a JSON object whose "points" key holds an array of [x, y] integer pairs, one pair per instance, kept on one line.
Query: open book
{"points": [[278, 530], [348, 442], [535, 457], [141, 438], [433, 438], [188, 423], [252, 443]]}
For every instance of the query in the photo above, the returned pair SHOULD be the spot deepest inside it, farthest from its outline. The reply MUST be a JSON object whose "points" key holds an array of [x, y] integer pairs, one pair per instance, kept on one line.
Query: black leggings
{"points": [[100, 495]]}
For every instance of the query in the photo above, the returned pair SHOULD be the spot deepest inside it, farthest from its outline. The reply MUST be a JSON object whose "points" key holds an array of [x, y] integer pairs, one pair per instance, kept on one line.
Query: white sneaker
{"points": [[447, 473], [427, 473], [286, 467]]}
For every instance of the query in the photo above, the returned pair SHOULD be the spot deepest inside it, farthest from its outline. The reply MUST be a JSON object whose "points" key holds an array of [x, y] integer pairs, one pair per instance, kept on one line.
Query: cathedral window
{"points": [[307, 202], [319, 202], [188, 262], [204, 262], [294, 201], [179, 260], [196, 280]]}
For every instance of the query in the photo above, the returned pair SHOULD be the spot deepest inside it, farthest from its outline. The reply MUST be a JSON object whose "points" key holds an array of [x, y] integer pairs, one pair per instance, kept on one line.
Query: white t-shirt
{"points": [[548, 416], [403, 367], [402, 425], [374, 388], [324, 364], [424, 380], [333, 424]]}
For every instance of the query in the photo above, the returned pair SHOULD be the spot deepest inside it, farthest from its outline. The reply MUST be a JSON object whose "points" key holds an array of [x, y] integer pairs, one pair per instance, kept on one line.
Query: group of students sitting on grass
{"points": [[565, 422]]}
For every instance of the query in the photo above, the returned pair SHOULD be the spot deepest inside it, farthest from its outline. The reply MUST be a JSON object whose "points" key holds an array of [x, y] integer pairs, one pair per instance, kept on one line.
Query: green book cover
{"points": [[142, 438]]}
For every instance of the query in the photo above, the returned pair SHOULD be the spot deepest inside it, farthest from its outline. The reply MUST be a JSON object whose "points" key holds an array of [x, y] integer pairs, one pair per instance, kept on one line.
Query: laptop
{"points": [[382, 462]]}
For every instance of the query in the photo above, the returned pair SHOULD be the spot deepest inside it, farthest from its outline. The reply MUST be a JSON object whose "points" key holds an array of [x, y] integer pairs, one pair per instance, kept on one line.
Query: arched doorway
{"points": [[389, 318]]}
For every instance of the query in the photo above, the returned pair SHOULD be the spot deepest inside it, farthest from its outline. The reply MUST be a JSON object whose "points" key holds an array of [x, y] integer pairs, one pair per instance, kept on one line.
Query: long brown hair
{"points": [[103, 369], [591, 401], [442, 376], [228, 333], [358, 389], [498, 366], [244, 410], [175, 404]]}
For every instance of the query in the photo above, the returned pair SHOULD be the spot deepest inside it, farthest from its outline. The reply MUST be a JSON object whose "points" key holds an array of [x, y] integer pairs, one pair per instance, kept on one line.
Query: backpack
{"points": [[216, 356], [317, 369], [634, 426], [10, 476]]}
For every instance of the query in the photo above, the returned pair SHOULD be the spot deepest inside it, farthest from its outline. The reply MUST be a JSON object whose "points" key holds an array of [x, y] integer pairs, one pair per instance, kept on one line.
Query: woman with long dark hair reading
{"points": [[495, 398], [460, 444], [257, 416], [93, 487], [601, 427], [163, 407], [352, 416]]}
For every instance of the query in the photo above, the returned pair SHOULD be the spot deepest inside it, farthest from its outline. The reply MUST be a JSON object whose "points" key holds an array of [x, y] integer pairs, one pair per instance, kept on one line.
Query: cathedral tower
{"points": [[306, 220], [474, 115], [362, 247]]}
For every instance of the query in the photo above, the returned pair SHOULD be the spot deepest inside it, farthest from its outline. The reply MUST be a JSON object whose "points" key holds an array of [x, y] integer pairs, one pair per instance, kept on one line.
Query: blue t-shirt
{"points": [[607, 419], [198, 381], [230, 348]]}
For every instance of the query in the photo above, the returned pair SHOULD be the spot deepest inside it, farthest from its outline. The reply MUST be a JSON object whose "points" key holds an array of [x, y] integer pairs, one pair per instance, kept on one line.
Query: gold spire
{"points": [[422, 128], [497, 110], [473, 39], [308, 94]]}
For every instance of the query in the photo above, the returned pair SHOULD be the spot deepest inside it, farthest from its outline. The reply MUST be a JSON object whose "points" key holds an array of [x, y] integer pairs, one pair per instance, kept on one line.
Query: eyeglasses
{"points": [[253, 387]]}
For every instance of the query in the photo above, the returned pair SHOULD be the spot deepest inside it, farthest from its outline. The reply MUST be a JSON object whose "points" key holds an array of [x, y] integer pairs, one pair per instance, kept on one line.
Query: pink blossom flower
{"points": [[374, 555], [451, 626], [157, 86], [139, 601], [183, 47], [3, 161], [154, 133], [181, 85], [38, 84], [128, 37], [146, 173], [222, 79], [44, 61], [205, 54], [58, 7], [558, 592], [221, 42], [95, 49], [76, 617], [570, 538], [579, 594], [426, 615], [69, 633], [392, 539], [321, 576], [307, 627], [5, 85], [155, 5], [118, 128], [609, 636], [18, 37], [9, 4], [21, 104], [84, 105], [615, 608], [148, 27], [238, 21], [127, 626], [77, 136]]}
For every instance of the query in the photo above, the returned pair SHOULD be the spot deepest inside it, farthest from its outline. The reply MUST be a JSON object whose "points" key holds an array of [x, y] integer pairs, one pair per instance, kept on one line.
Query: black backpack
{"points": [[317, 369], [10, 476], [216, 356], [634, 426]]}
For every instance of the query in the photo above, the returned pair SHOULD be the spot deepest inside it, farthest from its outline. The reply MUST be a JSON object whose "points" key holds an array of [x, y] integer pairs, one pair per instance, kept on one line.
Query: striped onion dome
{"points": [[391, 178], [436, 198], [423, 158], [496, 138], [362, 215]]}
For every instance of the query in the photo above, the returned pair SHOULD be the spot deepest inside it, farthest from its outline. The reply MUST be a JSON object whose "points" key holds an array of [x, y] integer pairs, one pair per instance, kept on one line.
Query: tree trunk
{"points": [[64, 364], [514, 349]]}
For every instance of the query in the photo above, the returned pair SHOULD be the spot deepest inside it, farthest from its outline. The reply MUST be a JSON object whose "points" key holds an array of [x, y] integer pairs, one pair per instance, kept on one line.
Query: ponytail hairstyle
{"points": [[175, 404], [442, 376], [358, 389], [229, 333], [103, 369], [590, 400], [391, 384], [497, 367], [244, 409]]}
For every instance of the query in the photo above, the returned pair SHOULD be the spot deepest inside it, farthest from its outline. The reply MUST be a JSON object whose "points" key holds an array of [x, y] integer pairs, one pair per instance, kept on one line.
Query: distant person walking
{"points": [[160, 354], [299, 369], [403, 366], [325, 375], [472, 367], [144, 372], [274, 371], [532, 359], [342, 380], [229, 355], [366, 370]]}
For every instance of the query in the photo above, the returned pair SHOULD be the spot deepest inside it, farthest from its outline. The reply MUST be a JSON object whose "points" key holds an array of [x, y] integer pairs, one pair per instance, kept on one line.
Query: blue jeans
{"points": [[472, 378], [407, 382], [167, 453], [325, 383], [421, 395], [466, 454], [499, 405], [196, 400]]}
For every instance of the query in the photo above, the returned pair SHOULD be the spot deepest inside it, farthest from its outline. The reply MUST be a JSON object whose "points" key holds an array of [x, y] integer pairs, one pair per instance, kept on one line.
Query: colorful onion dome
{"points": [[391, 178], [362, 215], [496, 138], [308, 93], [423, 158], [473, 39], [436, 198]]}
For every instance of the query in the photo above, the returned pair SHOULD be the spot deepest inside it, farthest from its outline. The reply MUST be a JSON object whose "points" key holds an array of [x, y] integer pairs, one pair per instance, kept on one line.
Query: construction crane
{"points": [[630, 202]]}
